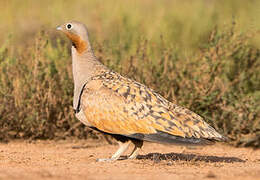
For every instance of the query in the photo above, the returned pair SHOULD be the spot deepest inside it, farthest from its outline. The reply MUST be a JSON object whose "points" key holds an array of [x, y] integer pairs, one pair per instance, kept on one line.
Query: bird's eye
{"points": [[69, 26]]}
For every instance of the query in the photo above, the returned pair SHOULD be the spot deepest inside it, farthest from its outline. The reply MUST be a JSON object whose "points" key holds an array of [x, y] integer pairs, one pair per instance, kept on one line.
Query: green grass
{"points": [[204, 55]]}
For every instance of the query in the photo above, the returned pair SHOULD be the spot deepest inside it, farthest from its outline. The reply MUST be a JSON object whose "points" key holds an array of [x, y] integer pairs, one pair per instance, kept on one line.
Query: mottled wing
{"points": [[117, 105], [106, 110]]}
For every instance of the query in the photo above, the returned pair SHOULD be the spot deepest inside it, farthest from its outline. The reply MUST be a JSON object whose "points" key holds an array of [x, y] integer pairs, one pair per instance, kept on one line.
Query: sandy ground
{"points": [[77, 160]]}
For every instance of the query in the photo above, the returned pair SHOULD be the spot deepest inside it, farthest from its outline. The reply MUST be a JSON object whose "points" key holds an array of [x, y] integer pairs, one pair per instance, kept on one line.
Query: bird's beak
{"points": [[59, 28]]}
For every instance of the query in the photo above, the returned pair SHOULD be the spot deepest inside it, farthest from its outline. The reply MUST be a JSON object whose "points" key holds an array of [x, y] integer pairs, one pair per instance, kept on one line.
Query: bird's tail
{"points": [[163, 137]]}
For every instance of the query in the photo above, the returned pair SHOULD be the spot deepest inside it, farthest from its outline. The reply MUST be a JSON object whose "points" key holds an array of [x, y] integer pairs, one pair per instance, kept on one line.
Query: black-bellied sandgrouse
{"points": [[129, 111]]}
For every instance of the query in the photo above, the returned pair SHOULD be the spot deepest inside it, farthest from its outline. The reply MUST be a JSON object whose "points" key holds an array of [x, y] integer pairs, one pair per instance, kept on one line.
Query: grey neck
{"points": [[84, 66]]}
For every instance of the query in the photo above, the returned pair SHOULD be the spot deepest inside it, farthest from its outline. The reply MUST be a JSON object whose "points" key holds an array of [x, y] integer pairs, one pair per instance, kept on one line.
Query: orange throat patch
{"points": [[77, 42]]}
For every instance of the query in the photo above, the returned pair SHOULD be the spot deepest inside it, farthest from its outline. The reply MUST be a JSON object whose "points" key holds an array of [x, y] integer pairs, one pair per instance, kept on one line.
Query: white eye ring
{"points": [[69, 26]]}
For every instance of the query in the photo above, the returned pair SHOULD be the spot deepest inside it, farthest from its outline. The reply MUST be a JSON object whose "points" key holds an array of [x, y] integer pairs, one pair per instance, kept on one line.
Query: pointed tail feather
{"points": [[162, 137]]}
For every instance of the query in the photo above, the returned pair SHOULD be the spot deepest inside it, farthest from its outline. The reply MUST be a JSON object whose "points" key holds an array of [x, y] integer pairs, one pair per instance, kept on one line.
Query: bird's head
{"points": [[77, 33]]}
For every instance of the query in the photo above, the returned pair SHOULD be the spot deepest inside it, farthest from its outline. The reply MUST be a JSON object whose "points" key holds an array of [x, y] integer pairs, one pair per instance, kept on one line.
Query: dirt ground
{"points": [[77, 160]]}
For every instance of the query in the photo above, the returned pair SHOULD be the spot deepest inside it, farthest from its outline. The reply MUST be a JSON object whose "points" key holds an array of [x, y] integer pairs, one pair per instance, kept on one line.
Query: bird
{"points": [[127, 110]]}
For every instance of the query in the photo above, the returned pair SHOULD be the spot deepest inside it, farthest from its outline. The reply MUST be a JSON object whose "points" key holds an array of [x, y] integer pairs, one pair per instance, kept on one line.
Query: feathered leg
{"points": [[138, 145], [122, 148]]}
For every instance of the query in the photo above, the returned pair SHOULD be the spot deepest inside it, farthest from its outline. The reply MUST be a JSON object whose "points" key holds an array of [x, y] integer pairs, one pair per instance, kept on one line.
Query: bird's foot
{"points": [[131, 157], [111, 159]]}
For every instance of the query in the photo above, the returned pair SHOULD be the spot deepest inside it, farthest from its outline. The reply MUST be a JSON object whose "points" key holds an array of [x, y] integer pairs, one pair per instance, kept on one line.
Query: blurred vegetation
{"points": [[204, 55]]}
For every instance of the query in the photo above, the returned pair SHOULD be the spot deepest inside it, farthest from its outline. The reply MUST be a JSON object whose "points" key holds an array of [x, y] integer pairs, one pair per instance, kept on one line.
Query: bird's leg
{"points": [[138, 145], [122, 148]]}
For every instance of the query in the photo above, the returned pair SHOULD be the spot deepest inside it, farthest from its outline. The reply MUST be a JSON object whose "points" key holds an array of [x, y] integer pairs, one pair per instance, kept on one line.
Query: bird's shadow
{"points": [[157, 157]]}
